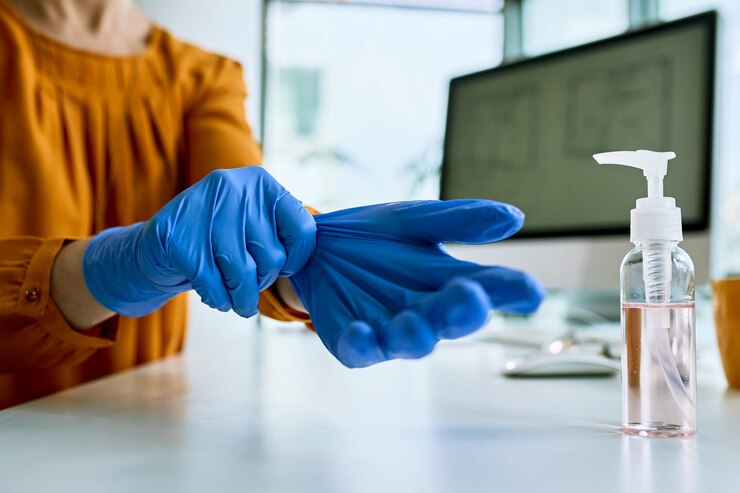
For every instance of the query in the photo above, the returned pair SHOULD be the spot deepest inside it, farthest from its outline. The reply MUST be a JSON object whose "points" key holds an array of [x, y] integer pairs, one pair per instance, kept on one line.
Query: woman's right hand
{"points": [[228, 237]]}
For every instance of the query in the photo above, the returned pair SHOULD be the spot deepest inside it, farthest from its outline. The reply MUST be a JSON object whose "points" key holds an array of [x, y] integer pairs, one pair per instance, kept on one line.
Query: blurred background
{"points": [[349, 98]]}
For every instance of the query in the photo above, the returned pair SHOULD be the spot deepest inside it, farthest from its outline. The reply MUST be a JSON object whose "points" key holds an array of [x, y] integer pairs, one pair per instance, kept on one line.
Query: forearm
{"points": [[69, 290]]}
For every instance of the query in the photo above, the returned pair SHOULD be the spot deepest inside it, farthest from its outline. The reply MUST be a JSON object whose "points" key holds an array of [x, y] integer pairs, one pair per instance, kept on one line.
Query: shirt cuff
{"points": [[31, 268]]}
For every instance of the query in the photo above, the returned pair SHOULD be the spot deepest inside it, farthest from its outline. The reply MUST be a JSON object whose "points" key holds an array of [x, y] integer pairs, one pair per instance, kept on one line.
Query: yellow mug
{"points": [[726, 300]]}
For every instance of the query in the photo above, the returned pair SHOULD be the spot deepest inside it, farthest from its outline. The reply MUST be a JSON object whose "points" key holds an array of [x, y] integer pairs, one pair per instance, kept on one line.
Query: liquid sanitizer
{"points": [[658, 318]]}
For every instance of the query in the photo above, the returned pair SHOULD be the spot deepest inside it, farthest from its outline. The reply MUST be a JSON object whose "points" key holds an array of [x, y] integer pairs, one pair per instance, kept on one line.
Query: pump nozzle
{"points": [[654, 165], [655, 218]]}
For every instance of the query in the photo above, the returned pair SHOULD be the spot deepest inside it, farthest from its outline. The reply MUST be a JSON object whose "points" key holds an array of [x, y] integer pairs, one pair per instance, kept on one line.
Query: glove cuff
{"points": [[114, 275]]}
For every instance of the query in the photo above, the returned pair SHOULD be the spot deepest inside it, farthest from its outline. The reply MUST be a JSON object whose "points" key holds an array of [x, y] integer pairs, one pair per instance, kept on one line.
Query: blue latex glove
{"points": [[229, 236], [381, 285]]}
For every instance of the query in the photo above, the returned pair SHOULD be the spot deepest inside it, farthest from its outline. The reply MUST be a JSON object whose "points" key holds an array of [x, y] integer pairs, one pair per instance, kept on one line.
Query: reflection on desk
{"points": [[270, 410]]}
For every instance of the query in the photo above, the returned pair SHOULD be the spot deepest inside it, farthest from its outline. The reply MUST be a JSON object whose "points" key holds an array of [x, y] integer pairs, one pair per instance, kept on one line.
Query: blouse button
{"points": [[32, 295]]}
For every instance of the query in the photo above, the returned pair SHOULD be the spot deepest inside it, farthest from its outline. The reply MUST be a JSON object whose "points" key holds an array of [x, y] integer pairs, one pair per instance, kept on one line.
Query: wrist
{"points": [[69, 292], [288, 295]]}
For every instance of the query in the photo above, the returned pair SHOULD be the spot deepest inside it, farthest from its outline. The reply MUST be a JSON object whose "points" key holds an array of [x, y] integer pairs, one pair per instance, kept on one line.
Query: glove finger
{"points": [[407, 336], [196, 264], [253, 234], [269, 258], [357, 346], [212, 290], [256, 222], [434, 221], [462, 221], [458, 309], [237, 268], [510, 290], [296, 229], [240, 277]]}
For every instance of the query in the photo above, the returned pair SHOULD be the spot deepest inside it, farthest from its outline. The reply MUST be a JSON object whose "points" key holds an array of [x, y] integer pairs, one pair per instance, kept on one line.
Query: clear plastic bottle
{"points": [[658, 318], [658, 344]]}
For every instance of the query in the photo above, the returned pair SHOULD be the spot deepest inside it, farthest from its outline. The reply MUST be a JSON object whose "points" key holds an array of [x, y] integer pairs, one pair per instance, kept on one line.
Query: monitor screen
{"points": [[525, 133]]}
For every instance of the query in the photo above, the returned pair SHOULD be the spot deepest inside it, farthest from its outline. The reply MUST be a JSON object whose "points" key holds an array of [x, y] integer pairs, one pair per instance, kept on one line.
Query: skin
{"points": [[69, 291], [111, 27]]}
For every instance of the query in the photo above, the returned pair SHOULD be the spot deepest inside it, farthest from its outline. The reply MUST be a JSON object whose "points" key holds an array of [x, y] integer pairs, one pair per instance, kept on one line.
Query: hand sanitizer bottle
{"points": [[658, 318]]}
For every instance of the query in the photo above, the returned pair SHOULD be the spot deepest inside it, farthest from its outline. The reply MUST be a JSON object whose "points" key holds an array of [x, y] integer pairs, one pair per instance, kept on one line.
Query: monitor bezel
{"points": [[707, 20]]}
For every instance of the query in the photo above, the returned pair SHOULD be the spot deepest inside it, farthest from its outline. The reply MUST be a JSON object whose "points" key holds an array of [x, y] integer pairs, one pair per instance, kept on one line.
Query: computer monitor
{"points": [[525, 132]]}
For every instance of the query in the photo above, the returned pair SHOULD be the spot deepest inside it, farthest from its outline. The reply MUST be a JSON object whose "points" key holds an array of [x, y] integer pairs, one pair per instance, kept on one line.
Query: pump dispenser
{"points": [[658, 318], [654, 220]]}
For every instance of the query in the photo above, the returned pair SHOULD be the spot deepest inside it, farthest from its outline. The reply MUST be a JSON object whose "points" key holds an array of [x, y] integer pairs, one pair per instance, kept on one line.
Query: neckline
{"points": [[153, 37]]}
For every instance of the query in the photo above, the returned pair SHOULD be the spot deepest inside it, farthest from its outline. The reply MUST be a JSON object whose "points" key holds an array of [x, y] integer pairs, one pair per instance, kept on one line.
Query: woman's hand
{"points": [[381, 285], [228, 237]]}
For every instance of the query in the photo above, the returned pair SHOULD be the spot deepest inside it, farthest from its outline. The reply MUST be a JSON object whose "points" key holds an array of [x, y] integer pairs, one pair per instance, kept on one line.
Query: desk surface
{"points": [[268, 410]]}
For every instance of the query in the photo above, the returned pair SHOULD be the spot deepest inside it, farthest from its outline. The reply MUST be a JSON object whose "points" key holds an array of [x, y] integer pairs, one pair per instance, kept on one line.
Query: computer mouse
{"points": [[560, 365]]}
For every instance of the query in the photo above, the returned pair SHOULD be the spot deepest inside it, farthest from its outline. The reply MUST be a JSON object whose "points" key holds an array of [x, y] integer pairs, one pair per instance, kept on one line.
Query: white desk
{"points": [[271, 411]]}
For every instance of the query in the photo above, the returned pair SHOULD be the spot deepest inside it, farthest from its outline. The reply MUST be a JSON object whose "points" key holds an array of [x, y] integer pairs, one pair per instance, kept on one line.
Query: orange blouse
{"points": [[88, 142]]}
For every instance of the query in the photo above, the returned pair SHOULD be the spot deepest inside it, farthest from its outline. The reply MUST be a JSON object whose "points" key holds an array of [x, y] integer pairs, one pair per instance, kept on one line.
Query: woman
{"points": [[106, 118]]}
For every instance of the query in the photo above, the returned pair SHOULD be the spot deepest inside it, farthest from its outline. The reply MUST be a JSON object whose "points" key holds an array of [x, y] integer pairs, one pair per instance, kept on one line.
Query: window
{"points": [[673, 9], [551, 25], [356, 93]]}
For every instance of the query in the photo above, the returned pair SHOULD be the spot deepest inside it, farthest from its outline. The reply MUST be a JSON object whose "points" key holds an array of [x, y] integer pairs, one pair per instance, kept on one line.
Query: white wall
{"points": [[230, 27]]}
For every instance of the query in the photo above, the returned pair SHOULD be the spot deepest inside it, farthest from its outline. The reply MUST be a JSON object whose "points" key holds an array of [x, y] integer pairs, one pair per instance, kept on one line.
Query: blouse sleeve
{"points": [[217, 136], [33, 332]]}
